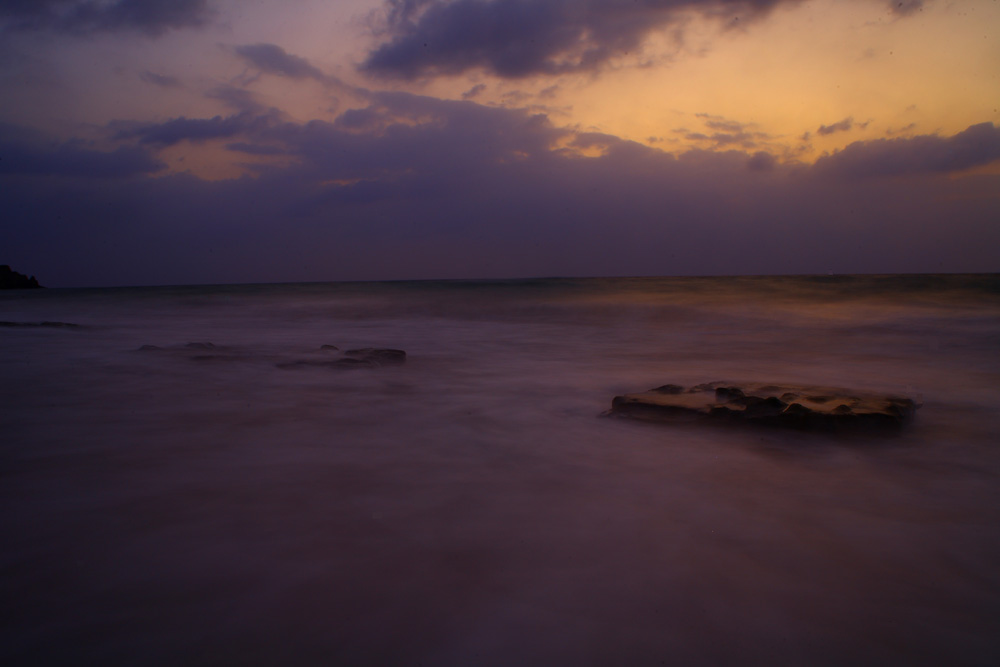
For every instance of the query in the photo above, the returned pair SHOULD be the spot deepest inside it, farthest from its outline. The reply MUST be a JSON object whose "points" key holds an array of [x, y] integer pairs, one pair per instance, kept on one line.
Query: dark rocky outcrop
{"points": [[10, 279], [793, 406]]}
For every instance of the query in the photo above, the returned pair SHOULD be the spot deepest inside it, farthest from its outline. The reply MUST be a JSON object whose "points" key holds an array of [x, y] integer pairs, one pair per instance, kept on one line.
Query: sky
{"points": [[159, 142]]}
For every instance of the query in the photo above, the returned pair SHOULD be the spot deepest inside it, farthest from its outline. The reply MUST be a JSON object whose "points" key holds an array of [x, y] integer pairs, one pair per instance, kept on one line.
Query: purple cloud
{"points": [[22, 152], [521, 38], [726, 133], [474, 91], [273, 59], [761, 161], [518, 38], [152, 17], [976, 146], [840, 126], [417, 187], [196, 130], [904, 7], [161, 80], [239, 99]]}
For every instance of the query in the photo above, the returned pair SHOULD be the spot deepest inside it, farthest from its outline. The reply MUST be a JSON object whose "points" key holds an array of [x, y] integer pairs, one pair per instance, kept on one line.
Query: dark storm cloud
{"points": [[273, 59], [23, 152], [517, 38], [520, 38], [976, 146], [152, 17]]}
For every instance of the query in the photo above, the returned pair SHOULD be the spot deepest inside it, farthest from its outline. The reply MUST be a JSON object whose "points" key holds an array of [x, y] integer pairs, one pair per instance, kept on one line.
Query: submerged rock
{"points": [[378, 356], [328, 356], [368, 357], [794, 406], [344, 362], [53, 325], [198, 351]]}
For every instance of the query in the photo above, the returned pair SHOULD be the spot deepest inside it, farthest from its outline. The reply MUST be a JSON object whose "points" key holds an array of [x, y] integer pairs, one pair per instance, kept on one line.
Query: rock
{"points": [[51, 325], [378, 356], [343, 362], [348, 362], [368, 357], [13, 280], [669, 389], [800, 407], [198, 351], [327, 357]]}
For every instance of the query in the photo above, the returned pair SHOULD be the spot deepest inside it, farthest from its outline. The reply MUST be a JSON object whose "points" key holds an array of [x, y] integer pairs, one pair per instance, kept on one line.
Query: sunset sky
{"points": [[152, 142]]}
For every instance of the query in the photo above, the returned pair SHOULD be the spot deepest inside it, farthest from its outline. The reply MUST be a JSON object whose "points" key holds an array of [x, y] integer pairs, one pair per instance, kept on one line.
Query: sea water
{"points": [[228, 505]]}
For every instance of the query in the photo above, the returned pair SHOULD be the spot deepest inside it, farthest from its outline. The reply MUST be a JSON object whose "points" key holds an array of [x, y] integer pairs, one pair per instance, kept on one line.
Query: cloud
{"points": [[729, 126], [255, 149], [273, 59], [725, 133], [23, 152], [474, 91], [195, 130], [417, 187], [761, 161], [152, 17], [901, 130], [237, 98], [976, 146], [408, 138], [162, 80], [904, 7], [840, 126], [521, 38]]}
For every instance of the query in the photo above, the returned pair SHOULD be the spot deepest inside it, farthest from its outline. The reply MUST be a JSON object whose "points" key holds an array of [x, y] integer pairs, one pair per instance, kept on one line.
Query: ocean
{"points": [[239, 501]]}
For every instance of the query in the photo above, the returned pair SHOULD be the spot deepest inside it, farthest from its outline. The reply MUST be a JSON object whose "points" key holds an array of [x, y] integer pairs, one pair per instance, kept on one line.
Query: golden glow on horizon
{"points": [[814, 65], [851, 66]]}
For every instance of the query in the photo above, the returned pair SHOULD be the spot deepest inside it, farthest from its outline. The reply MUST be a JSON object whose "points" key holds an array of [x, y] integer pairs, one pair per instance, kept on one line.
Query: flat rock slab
{"points": [[794, 406], [328, 356]]}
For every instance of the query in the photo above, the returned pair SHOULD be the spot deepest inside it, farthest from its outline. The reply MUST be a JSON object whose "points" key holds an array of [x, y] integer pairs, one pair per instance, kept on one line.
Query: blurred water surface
{"points": [[195, 505]]}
